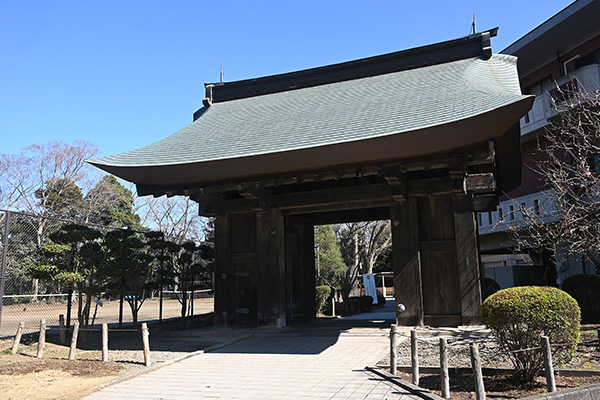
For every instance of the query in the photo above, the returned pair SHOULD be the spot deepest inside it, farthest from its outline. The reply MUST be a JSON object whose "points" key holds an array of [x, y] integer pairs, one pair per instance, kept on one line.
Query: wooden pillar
{"points": [[300, 269], [271, 268], [224, 280], [467, 258], [407, 261]]}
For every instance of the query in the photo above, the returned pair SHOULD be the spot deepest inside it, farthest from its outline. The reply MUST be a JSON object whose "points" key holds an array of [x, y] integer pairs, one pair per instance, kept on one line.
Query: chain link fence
{"points": [[31, 300]]}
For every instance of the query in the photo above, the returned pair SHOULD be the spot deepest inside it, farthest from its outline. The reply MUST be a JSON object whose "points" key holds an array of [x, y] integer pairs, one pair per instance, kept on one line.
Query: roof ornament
{"points": [[221, 75], [473, 25], [207, 100]]}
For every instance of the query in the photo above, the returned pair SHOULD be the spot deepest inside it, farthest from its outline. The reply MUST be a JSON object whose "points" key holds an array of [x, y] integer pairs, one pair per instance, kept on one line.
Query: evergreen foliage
{"points": [[323, 293], [519, 316], [328, 256]]}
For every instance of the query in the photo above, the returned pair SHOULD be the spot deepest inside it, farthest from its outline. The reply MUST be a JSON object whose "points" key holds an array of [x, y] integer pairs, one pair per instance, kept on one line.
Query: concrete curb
{"points": [[489, 371], [583, 393], [591, 392], [416, 390]]}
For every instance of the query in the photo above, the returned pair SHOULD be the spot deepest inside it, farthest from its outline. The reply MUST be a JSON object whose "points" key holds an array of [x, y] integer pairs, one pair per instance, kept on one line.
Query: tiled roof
{"points": [[329, 114]]}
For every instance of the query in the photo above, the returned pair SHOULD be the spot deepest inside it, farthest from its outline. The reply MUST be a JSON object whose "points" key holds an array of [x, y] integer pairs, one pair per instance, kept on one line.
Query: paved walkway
{"points": [[317, 361]]}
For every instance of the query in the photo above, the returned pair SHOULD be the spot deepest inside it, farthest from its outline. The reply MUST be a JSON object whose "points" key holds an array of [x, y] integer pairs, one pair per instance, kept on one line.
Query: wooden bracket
{"points": [[396, 178], [257, 194], [458, 173], [210, 204]]}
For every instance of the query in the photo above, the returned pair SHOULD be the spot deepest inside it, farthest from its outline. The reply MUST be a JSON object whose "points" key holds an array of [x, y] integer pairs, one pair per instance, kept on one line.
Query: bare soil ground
{"points": [[31, 313], [54, 376], [462, 384]]}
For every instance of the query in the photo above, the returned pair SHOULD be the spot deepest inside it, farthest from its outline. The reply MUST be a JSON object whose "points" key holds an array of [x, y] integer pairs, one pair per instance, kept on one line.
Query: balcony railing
{"points": [[584, 79], [509, 213]]}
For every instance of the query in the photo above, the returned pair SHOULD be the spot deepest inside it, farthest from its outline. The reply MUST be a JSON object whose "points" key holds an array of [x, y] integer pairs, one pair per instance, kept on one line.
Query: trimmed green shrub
{"points": [[323, 293], [488, 287], [519, 316], [585, 289]]}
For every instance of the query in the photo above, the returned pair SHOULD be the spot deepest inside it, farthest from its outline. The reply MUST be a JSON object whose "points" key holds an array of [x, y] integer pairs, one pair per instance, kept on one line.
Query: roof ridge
{"points": [[476, 45]]}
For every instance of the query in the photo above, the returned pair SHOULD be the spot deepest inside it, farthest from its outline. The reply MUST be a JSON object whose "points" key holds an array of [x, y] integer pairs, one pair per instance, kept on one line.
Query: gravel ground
{"points": [[458, 352], [587, 356]]}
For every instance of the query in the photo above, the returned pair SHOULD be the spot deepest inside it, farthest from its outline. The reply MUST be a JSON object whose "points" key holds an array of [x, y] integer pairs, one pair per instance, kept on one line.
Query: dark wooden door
{"points": [[300, 269], [244, 262], [439, 274]]}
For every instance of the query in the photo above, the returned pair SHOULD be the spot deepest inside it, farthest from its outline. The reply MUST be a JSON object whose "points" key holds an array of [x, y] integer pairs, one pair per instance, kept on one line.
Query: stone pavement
{"points": [[324, 360]]}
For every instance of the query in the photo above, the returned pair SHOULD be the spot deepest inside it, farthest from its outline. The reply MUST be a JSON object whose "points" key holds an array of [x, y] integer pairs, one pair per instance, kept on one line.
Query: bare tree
{"points": [[176, 217], [376, 239], [41, 180], [570, 212], [362, 243], [28, 177]]}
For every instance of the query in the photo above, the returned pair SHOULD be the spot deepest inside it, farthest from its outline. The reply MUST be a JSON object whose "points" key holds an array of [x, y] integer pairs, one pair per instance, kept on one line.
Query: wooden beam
{"points": [[313, 201], [260, 197], [317, 198], [396, 178], [426, 187], [480, 155], [480, 183], [364, 214], [354, 206]]}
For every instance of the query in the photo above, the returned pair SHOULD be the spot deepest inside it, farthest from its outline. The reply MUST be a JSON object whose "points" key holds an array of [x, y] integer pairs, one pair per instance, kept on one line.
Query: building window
{"points": [[489, 217], [479, 218], [563, 93], [512, 213], [499, 214], [536, 206]]}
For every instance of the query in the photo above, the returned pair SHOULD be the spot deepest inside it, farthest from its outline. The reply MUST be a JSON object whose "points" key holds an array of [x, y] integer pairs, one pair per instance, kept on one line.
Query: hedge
{"points": [[519, 316]]}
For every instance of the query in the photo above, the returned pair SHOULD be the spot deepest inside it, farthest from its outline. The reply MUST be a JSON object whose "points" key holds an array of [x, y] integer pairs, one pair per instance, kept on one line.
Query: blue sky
{"points": [[124, 74]]}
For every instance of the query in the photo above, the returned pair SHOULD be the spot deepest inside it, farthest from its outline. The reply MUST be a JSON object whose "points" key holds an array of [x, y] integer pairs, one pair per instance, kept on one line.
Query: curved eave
{"points": [[418, 143]]}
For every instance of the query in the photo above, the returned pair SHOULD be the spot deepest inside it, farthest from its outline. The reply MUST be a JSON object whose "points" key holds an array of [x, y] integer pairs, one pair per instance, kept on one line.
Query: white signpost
{"points": [[369, 282]]}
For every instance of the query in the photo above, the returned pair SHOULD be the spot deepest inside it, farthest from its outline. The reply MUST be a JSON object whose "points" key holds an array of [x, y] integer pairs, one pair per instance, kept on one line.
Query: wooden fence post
{"points": [[445, 378], [61, 329], [476, 365], [105, 342], [17, 341], [414, 356], [333, 304], [549, 369], [394, 349], [146, 341], [42, 339], [74, 341]]}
